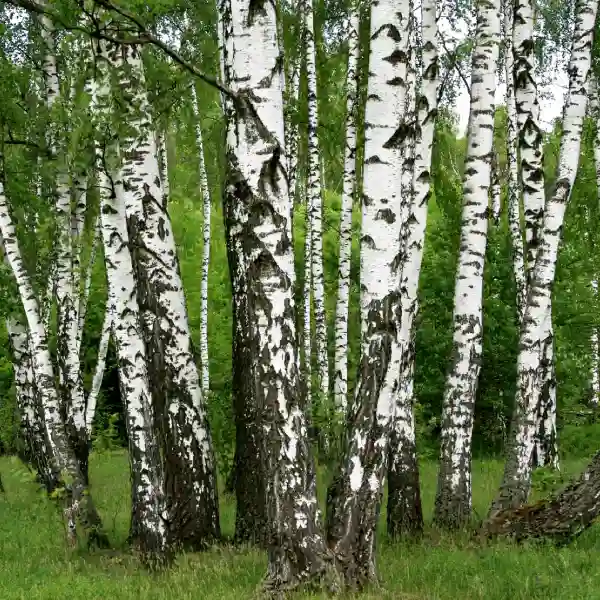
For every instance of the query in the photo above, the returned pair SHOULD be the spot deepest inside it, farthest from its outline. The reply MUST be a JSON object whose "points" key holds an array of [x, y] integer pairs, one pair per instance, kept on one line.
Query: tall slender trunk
{"points": [[190, 475], [163, 164], [251, 523], [340, 382], [514, 188], [594, 338], [206, 212], [531, 148], [149, 515], [315, 201], [355, 496], [71, 385], [78, 504], [535, 336], [404, 512], [258, 199], [453, 499], [307, 334]]}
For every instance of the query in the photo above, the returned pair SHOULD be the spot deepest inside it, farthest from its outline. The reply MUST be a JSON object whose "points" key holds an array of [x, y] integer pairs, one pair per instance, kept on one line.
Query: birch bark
{"points": [[258, 198], [404, 512], [355, 495], [453, 499], [315, 202], [340, 383], [536, 333], [180, 410]]}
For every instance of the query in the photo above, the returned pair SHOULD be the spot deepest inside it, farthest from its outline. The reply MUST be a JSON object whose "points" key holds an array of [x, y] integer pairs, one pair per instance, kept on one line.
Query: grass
{"points": [[35, 564]]}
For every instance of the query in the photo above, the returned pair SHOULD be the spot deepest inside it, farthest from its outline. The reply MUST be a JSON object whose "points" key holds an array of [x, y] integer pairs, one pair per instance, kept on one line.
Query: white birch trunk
{"points": [[71, 385], [163, 164], [514, 189], [308, 288], [404, 513], [315, 202], [453, 499], [261, 209], [340, 382], [181, 413], [62, 459], [149, 515], [357, 490], [594, 338], [206, 212], [536, 333]]}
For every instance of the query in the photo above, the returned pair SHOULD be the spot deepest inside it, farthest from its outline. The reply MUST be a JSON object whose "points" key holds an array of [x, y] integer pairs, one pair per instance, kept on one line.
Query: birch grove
{"points": [[105, 203]]}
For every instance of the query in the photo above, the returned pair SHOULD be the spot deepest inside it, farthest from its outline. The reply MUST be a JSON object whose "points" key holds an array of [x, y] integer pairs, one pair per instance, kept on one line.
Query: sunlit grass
{"points": [[35, 564]]}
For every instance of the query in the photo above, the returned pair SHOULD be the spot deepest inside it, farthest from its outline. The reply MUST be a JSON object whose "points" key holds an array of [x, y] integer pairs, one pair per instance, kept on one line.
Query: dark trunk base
{"points": [[561, 517], [404, 511]]}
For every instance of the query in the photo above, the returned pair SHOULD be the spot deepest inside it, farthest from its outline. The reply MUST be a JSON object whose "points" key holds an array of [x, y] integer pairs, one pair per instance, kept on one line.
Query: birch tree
{"points": [[404, 512], [535, 334], [314, 196], [340, 383], [192, 505], [355, 495], [149, 531], [260, 206], [453, 498]]}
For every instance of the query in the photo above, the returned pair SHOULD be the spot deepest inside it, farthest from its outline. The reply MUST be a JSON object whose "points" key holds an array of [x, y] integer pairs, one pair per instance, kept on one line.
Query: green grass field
{"points": [[35, 564]]}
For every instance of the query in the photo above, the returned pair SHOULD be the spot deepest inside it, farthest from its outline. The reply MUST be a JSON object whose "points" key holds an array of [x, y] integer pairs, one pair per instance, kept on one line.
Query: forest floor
{"points": [[35, 564]]}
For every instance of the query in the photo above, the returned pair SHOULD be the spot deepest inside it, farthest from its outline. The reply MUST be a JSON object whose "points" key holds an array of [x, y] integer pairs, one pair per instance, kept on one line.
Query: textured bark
{"points": [[206, 212], [149, 532], [340, 381], [453, 499], [37, 446], [71, 390], [92, 399], [77, 501], [186, 445], [531, 146], [315, 201], [404, 512], [513, 184], [258, 197], [496, 191], [535, 334], [355, 496], [594, 338], [561, 518]]}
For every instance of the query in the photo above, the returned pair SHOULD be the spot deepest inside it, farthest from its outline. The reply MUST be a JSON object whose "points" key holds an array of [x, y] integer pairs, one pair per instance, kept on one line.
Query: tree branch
{"points": [[144, 36]]}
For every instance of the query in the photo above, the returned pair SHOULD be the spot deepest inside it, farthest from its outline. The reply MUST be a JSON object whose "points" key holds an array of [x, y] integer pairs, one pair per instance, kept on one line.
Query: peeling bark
{"points": [[454, 494], [258, 198], [355, 496], [536, 334], [192, 507]]}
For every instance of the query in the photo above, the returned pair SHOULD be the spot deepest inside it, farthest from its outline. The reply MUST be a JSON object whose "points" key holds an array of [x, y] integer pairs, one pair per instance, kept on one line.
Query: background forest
{"points": [[183, 101]]}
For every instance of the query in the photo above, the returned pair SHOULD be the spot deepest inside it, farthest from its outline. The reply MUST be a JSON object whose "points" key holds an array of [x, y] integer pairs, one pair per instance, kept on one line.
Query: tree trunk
{"points": [[340, 383], [191, 486], [354, 498], [561, 517], [404, 512], [258, 197], [453, 499], [315, 202], [514, 188], [206, 212], [531, 149], [149, 532], [535, 336], [78, 505]]}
